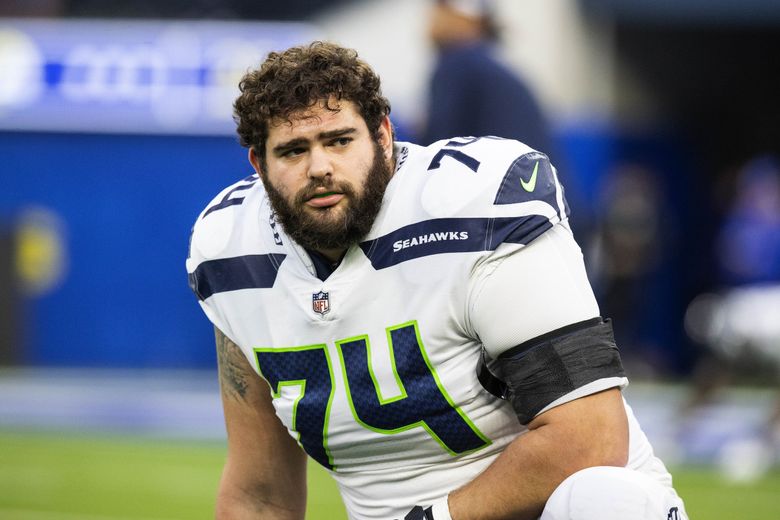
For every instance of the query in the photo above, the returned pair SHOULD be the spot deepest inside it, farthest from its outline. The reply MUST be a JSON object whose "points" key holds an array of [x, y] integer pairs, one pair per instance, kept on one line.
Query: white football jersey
{"points": [[373, 370]]}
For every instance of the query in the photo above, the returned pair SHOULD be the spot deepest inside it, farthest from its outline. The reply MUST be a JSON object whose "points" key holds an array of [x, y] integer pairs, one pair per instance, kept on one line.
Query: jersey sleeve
{"points": [[213, 243], [526, 292]]}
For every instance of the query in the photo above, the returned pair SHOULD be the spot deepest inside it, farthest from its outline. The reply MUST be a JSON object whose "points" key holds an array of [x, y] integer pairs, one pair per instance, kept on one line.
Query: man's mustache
{"points": [[328, 185]]}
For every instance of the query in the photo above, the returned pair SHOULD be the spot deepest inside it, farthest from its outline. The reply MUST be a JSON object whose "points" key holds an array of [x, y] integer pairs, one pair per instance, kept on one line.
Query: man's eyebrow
{"points": [[337, 133], [300, 141], [292, 143]]}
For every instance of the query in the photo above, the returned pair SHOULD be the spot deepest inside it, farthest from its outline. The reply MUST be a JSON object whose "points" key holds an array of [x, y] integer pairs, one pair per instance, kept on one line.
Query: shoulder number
{"points": [[229, 200], [451, 150]]}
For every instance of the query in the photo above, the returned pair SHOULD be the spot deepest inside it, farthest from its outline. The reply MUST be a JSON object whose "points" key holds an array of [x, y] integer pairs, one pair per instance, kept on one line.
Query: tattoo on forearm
{"points": [[233, 374]]}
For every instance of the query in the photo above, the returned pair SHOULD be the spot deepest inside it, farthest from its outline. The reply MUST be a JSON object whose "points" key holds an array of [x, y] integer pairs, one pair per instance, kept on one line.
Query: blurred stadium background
{"points": [[116, 129]]}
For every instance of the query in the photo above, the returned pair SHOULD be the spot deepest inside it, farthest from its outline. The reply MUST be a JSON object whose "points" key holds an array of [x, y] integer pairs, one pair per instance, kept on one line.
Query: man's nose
{"points": [[320, 164]]}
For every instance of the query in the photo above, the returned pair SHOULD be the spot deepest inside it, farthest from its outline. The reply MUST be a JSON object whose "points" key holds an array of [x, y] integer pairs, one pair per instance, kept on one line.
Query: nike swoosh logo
{"points": [[530, 186]]}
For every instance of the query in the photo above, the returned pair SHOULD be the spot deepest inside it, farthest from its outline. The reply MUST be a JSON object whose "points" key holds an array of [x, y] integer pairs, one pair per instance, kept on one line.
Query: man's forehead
{"points": [[315, 116]]}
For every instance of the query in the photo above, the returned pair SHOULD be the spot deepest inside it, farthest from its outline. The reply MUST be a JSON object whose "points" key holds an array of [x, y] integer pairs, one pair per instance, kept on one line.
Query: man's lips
{"points": [[324, 200]]}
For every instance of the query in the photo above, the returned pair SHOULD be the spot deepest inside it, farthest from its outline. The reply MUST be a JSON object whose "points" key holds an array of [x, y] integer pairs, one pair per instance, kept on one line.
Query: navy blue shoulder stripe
{"points": [[452, 235], [232, 274]]}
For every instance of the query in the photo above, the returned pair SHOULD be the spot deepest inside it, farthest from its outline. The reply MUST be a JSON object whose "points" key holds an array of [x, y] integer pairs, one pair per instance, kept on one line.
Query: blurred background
{"points": [[663, 118]]}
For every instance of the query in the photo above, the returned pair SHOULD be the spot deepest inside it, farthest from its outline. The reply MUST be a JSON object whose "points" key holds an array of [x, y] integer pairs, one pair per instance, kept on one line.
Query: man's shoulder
{"points": [[221, 228], [478, 155], [474, 175], [483, 155], [465, 195]]}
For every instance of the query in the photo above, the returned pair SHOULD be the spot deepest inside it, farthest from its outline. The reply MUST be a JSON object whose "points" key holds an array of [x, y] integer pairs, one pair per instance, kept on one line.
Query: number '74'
{"points": [[423, 401]]}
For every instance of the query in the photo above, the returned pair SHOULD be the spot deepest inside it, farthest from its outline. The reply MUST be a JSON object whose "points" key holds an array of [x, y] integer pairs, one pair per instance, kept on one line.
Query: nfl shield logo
{"points": [[320, 302]]}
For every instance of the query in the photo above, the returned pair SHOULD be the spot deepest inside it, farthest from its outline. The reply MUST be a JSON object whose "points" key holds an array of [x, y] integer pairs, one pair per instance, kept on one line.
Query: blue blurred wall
{"points": [[127, 204]]}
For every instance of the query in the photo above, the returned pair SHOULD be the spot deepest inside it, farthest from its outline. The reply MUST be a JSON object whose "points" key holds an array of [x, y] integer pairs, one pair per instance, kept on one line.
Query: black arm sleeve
{"points": [[539, 371]]}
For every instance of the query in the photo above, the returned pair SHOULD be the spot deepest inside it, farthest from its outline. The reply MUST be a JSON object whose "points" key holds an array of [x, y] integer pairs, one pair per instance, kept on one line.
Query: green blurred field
{"points": [[69, 477]]}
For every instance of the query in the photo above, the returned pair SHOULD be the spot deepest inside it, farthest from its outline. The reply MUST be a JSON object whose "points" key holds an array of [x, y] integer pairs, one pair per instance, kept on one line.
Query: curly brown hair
{"points": [[299, 78]]}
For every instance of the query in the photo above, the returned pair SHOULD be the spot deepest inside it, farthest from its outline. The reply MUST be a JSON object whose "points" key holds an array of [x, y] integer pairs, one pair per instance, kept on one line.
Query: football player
{"points": [[417, 320]]}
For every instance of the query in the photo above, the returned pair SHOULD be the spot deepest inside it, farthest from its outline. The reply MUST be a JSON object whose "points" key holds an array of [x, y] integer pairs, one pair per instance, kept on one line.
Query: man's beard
{"points": [[317, 231]]}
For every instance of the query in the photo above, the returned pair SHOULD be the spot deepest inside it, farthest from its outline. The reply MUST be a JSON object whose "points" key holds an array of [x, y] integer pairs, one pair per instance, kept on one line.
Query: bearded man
{"points": [[417, 320]]}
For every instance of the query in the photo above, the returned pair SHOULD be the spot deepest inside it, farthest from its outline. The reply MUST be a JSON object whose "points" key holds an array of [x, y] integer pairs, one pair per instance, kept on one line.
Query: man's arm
{"points": [[265, 471], [591, 431]]}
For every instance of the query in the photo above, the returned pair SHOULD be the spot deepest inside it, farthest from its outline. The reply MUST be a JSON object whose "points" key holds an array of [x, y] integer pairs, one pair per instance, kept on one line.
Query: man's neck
{"points": [[333, 256], [323, 266]]}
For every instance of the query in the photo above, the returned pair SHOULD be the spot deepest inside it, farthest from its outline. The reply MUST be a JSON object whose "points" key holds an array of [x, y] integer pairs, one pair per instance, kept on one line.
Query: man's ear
{"points": [[254, 160], [386, 136]]}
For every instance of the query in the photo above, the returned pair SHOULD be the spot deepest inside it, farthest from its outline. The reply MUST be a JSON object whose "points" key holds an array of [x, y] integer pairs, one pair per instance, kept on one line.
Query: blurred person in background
{"points": [[471, 91], [633, 237], [748, 248], [416, 319], [739, 324]]}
